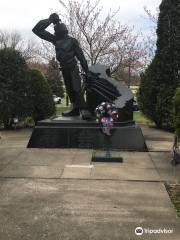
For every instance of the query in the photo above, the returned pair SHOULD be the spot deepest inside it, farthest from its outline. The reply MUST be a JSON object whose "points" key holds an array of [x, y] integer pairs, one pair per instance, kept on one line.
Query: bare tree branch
{"points": [[13, 39], [150, 39]]}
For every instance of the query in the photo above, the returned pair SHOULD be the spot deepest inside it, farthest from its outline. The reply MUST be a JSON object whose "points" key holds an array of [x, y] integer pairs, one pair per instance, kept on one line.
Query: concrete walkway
{"points": [[59, 194]]}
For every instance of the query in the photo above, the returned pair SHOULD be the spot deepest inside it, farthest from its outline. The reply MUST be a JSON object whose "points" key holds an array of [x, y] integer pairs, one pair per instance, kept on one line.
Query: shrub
{"points": [[13, 86], [42, 103]]}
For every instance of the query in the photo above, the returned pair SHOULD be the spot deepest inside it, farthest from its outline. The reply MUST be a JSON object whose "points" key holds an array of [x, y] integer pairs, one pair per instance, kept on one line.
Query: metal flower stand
{"points": [[106, 155]]}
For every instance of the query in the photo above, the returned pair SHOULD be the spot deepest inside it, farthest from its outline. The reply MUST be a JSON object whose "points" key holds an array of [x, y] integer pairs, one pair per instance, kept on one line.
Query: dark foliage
{"points": [[160, 80], [42, 103], [13, 86], [176, 112]]}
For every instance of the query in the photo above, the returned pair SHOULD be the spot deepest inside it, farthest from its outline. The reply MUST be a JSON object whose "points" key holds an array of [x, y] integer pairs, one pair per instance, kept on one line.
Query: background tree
{"points": [[42, 103], [13, 86], [41, 66], [13, 39], [54, 78], [127, 75], [163, 75]]}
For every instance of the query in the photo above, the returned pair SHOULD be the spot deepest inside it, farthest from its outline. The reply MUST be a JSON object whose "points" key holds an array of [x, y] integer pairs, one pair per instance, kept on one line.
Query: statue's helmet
{"points": [[60, 29], [54, 18]]}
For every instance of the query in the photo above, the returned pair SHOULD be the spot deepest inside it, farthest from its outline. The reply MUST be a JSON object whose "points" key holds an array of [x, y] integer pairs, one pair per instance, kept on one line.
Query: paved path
{"points": [[61, 195]]}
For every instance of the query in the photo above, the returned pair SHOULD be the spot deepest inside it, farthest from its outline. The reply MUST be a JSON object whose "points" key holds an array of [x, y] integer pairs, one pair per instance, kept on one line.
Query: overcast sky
{"points": [[24, 14]]}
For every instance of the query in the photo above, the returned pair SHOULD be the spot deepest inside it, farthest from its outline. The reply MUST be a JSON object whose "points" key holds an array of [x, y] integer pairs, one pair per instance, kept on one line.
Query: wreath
{"points": [[106, 114]]}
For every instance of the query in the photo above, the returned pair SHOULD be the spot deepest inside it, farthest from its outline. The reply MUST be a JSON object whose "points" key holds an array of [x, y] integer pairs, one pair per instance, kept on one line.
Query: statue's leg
{"points": [[67, 76], [76, 86], [68, 84], [80, 101]]}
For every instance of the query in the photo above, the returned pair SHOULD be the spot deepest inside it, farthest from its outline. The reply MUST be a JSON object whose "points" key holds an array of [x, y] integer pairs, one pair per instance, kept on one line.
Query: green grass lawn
{"points": [[174, 193], [60, 109], [141, 119]]}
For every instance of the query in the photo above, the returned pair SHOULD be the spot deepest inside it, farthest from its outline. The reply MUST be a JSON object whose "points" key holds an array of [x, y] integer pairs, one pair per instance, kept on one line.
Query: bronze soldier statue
{"points": [[68, 52]]}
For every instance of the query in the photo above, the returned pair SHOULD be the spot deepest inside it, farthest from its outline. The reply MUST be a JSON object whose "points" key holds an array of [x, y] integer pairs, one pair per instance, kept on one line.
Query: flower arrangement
{"points": [[106, 114]]}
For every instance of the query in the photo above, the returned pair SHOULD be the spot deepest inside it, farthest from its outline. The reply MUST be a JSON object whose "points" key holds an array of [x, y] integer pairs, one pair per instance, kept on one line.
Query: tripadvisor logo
{"points": [[139, 231]]}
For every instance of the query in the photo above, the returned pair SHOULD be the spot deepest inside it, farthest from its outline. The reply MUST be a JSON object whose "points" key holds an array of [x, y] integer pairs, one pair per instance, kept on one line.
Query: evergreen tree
{"points": [[42, 103], [163, 75], [176, 112], [54, 78], [147, 95], [13, 86]]}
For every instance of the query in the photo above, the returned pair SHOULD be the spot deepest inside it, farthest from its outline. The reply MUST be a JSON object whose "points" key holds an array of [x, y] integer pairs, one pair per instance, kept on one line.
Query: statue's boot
{"points": [[85, 114], [71, 113]]}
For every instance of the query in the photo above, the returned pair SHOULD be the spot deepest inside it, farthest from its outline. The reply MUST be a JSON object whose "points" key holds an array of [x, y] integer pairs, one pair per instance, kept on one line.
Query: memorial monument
{"points": [[78, 127]]}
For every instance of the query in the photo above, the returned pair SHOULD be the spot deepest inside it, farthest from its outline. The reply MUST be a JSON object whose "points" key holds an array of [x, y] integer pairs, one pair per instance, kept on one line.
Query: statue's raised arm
{"points": [[40, 31], [40, 28]]}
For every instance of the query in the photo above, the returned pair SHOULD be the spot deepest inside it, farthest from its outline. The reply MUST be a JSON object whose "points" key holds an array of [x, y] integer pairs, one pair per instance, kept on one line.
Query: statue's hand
{"points": [[54, 18]]}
